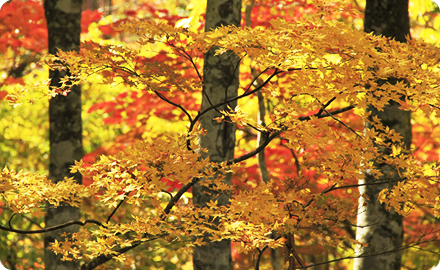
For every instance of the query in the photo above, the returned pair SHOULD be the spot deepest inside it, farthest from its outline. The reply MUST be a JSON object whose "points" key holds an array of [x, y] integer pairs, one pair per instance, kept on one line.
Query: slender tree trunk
{"points": [[64, 25], [380, 229], [220, 76]]}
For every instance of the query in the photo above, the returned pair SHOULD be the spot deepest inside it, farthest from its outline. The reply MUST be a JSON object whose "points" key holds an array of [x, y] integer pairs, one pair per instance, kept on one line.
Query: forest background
{"points": [[116, 116]]}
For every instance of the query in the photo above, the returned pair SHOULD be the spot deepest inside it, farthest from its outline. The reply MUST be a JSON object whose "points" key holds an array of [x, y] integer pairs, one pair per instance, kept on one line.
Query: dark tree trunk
{"points": [[380, 229], [220, 76], [388, 18], [64, 25]]}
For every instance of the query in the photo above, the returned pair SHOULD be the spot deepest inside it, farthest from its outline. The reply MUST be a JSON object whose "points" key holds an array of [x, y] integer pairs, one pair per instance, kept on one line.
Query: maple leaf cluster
{"points": [[320, 77]]}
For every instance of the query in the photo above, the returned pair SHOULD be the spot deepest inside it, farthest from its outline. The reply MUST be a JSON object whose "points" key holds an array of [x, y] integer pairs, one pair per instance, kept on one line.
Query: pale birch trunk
{"points": [[380, 229], [64, 25]]}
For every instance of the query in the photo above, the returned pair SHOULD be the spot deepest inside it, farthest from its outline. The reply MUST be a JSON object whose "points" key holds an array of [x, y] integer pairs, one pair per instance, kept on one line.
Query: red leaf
{"points": [[88, 17]]}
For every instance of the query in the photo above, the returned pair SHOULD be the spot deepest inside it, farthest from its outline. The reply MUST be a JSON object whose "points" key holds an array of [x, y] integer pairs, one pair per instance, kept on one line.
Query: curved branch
{"points": [[179, 194], [276, 72], [174, 104], [188, 57], [256, 150], [10, 220], [25, 217], [333, 188], [226, 101], [298, 168], [371, 255], [53, 228], [277, 133], [327, 114], [256, 79], [260, 254], [105, 258], [319, 115]]}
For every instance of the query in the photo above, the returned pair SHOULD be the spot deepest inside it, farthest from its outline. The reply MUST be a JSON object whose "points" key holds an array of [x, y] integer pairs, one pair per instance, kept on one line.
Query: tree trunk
{"points": [[220, 76], [382, 230], [64, 25]]}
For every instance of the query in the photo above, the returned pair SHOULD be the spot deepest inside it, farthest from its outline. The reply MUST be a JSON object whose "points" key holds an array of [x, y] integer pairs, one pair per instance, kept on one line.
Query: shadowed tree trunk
{"points": [[380, 229], [64, 25], [220, 76]]}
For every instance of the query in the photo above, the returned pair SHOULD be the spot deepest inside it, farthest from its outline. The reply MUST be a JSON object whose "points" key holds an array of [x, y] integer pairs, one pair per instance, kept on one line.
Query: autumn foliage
{"points": [[318, 77]]}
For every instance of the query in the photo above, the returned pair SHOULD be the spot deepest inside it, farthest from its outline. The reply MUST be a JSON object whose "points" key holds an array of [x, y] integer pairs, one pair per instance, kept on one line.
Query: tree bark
{"points": [[382, 230], [65, 135], [220, 77]]}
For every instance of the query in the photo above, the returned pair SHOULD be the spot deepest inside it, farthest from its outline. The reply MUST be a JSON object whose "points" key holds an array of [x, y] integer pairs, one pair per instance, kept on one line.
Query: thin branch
{"points": [[255, 128], [105, 258], [276, 72], [189, 58], [167, 192], [117, 207], [327, 114], [434, 106], [179, 194], [427, 250], [342, 123], [256, 80], [25, 217], [326, 105], [260, 254], [367, 184], [256, 150], [264, 174], [174, 104], [53, 228], [370, 255], [295, 157], [10, 220], [277, 133]]}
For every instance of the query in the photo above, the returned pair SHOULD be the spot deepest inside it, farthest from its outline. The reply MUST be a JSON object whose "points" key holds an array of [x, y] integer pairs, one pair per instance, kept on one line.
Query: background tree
{"points": [[377, 226], [220, 84], [64, 26]]}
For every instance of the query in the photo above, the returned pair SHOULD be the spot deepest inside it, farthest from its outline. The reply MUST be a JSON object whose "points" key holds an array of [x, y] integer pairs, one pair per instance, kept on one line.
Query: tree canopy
{"points": [[317, 76]]}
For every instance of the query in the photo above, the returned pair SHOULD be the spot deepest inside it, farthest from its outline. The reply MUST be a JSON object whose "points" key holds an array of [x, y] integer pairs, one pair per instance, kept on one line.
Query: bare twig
{"points": [[326, 105], [161, 96], [25, 217], [276, 72], [117, 207], [342, 123], [53, 228], [371, 255]]}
